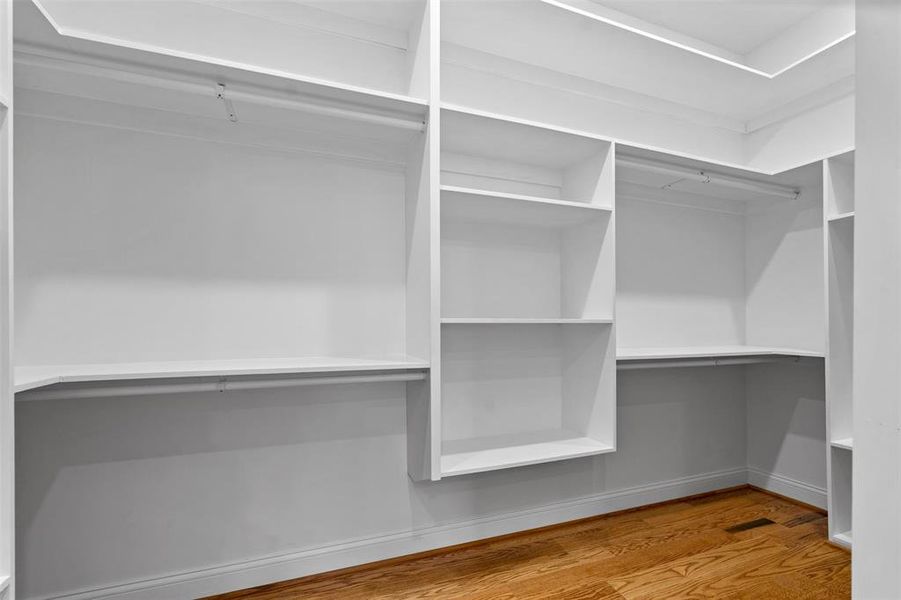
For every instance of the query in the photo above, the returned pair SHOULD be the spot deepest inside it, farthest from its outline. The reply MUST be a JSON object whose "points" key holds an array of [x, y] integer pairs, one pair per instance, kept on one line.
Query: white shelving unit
{"points": [[527, 290], [838, 208]]}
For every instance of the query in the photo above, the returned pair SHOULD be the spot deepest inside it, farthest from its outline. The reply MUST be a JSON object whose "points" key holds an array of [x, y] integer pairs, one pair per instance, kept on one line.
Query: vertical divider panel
{"points": [[7, 416], [838, 237], [423, 322]]}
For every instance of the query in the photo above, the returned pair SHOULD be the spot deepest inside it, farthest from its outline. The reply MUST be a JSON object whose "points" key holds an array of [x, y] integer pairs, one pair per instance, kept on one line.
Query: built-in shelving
{"points": [[29, 378], [503, 452], [527, 294], [838, 210]]}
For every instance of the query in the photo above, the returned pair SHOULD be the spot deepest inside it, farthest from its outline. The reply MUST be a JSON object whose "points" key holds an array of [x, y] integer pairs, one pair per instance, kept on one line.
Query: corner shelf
{"points": [[461, 457], [30, 378], [845, 444]]}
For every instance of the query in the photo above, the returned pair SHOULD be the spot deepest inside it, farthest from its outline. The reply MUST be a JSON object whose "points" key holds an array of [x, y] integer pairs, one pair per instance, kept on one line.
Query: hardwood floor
{"points": [[735, 545]]}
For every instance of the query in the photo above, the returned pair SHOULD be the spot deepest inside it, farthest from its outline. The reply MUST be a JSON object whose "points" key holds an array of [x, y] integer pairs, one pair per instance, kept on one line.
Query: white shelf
{"points": [[841, 217], [843, 539], [846, 443], [468, 204], [460, 457], [673, 353], [518, 321], [29, 378]]}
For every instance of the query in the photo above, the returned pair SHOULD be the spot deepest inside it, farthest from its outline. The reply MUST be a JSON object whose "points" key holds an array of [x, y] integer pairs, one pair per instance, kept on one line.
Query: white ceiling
{"points": [[545, 35], [739, 26]]}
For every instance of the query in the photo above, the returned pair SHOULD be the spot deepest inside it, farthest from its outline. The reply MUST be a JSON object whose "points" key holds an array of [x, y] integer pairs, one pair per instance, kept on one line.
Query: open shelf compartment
{"points": [[524, 161], [515, 395]]}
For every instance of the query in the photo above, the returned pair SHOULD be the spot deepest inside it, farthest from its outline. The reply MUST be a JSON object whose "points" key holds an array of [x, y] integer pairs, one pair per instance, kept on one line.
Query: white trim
{"points": [[224, 578], [786, 486], [720, 56]]}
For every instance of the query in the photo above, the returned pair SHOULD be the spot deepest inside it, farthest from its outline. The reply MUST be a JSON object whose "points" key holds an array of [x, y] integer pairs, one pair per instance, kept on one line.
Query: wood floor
{"points": [[741, 544]]}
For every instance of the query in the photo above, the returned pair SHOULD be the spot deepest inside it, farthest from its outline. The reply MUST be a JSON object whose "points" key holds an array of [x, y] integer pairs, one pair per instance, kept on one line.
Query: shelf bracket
{"points": [[229, 107]]}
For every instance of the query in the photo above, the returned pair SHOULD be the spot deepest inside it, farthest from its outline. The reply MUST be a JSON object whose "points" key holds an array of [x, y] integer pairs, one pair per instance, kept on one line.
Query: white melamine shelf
{"points": [[467, 204], [841, 217], [465, 110], [670, 353], [524, 321], [460, 457], [846, 443], [843, 538], [29, 378]]}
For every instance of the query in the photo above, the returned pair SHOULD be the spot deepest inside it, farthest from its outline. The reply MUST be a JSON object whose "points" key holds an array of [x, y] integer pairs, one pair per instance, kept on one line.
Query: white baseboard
{"points": [[786, 486], [220, 579]]}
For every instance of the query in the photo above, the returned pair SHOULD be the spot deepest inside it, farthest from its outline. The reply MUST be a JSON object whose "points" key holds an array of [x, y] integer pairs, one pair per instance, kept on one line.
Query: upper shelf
{"points": [[29, 378], [376, 47], [74, 78]]}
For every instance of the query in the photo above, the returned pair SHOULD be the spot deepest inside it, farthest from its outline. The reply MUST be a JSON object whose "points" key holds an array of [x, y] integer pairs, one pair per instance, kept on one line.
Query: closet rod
{"points": [[213, 90], [653, 166], [222, 384], [703, 362]]}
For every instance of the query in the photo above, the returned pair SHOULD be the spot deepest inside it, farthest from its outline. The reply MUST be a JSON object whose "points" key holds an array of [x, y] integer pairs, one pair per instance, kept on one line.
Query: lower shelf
{"points": [[29, 378], [843, 539], [478, 455], [654, 357]]}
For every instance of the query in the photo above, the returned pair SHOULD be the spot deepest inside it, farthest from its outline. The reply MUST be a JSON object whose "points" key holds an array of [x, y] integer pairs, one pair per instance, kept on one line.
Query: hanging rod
{"points": [[221, 384], [704, 362], [653, 166], [214, 89]]}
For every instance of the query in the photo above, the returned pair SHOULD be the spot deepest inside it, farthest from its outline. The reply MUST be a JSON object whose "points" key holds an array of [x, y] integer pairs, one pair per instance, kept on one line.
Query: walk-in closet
{"points": [[444, 299]]}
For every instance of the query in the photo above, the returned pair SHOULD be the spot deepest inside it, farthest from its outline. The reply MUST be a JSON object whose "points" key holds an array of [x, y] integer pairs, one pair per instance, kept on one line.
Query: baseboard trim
{"points": [[252, 573], [786, 486]]}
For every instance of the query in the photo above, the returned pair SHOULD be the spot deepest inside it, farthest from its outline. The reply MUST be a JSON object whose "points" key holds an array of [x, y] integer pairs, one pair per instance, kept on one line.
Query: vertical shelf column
{"points": [[528, 365], [7, 417], [423, 325], [838, 214]]}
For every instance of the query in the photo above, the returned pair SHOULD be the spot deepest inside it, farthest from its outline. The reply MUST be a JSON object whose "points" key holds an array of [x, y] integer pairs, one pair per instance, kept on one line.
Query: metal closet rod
{"points": [[215, 90], [653, 166], [222, 384]]}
